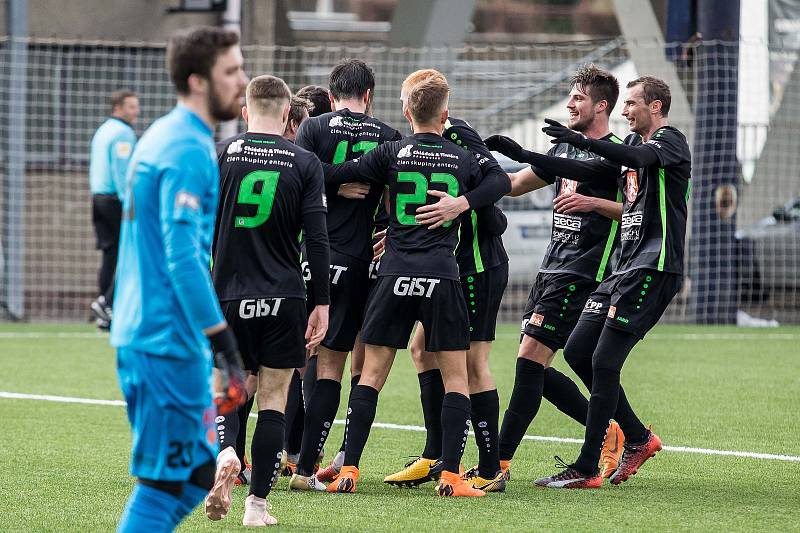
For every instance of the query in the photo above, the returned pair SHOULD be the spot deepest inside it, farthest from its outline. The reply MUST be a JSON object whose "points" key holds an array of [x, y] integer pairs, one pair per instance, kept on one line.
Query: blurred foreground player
{"points": [[166, 310], [270, 190], [418, 277]]}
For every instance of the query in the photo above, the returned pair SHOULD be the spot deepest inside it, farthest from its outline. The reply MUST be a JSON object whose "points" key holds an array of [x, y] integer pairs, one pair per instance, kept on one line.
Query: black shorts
{"points": [[554, 307], [483, 293], [397, 302], [106, 217], [270, 331], [632, 301], [349, 289]]}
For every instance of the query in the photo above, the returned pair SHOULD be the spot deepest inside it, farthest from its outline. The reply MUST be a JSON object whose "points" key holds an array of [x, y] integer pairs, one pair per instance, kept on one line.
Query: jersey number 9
{"points": [[263, 199]]}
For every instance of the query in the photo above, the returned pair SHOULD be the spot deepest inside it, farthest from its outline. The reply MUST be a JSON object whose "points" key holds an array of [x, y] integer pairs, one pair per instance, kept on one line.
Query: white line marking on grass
{"points": [[401, 427], [53, 335]]}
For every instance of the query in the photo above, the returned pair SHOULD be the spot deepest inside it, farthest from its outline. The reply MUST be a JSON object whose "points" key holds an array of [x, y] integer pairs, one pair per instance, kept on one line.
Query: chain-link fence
{"points": [[746, 259]]}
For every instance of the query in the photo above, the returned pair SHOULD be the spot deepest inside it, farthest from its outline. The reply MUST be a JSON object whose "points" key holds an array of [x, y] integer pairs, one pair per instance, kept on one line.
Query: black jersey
{"points": [[269, 189], [410, 167], [337, 137], [582, 243], [480, 246], [655, 202]]}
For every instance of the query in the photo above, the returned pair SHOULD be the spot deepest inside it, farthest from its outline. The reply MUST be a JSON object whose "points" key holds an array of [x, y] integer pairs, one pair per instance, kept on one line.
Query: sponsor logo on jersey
{"points": [[235, 147], [255, 308], [536, 319], [612, 311], [631, 219], [592, 307], [566, 222], [335, 122], [631, 185], [568, 186], [405, 151], [123, 149], [405, 286], [324, 200], [188, 200]]}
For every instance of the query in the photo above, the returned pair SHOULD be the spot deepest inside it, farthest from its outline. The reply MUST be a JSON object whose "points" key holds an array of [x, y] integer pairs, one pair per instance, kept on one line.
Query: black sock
{"points": [[565, 395], [526, 397], [241, 434], [629, 423], [455, 428], [353, 383], [431, 394], [319, 419], [485, 413], [361, 415], [293, 398], [227, 429], [295, 439], [309, 379], [266, 451], [612, 349]]}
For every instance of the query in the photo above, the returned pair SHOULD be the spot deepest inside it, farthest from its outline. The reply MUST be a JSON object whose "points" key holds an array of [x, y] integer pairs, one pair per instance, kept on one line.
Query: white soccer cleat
{"points": [[218, 501], [256, 512], [310, 483]]}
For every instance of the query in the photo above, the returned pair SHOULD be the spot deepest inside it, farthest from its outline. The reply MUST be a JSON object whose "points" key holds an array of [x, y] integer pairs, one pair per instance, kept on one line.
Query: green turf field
{"points": [[63, 466]]}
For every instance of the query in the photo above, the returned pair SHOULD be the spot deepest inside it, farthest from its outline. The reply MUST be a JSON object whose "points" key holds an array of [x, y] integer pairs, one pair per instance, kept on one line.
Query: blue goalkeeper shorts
{"points": [[171, 412]]}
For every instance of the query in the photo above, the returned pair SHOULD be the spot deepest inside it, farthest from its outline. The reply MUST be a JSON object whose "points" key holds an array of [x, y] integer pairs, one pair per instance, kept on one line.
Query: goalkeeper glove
{"points": [[228, 362], [563, 134]]}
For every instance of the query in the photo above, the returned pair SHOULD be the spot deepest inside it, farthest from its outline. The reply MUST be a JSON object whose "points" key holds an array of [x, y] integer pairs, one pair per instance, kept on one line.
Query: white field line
{"points": [[734, 336], [400, 427]]}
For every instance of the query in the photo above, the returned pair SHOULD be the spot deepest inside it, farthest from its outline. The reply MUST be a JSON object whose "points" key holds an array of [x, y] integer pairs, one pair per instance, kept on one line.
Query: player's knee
{"points": [[203, 475], [534, 350], [173, 488]]}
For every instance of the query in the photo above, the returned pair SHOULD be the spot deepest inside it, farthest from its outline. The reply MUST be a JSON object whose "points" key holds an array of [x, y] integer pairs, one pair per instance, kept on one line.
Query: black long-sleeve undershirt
{"points": [[638, 156], [315, 234]]}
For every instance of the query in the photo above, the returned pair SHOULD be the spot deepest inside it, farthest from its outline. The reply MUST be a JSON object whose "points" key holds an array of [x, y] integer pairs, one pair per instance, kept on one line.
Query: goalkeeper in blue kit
{"points": [[166, 310]]}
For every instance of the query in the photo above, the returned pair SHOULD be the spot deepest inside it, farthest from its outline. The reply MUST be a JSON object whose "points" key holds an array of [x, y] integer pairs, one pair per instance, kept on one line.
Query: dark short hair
{"points": [[351, 78], [318, 96], [296, 107], [194, 51], [654, 89], [267, 95], [118, 97], [599, 84], [427, 99]]}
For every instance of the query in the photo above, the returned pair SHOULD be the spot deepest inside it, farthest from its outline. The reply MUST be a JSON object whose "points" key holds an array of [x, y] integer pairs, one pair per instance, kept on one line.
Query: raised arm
{"points": [[624, 154]]}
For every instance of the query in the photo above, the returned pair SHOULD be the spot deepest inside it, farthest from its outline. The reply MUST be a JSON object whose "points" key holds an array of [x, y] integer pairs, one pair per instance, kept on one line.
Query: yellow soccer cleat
{"points": [[416, 472], [613, 445], [474, 480]]}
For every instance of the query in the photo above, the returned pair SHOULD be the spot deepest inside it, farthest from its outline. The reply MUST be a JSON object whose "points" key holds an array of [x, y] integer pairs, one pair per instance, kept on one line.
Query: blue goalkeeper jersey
{"points": [[112, 146], [164, 297]]}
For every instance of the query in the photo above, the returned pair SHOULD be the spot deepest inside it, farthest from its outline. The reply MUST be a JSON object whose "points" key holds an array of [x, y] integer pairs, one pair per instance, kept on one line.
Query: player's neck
{"points": [[435, 129], [265, 125], [657, 124], [597, 129], [197, 104], [354, 105]]}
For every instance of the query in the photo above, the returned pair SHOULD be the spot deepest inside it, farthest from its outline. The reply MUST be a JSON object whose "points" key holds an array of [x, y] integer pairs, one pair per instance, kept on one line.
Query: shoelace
{"points": [[568, 471], [414, 459]]}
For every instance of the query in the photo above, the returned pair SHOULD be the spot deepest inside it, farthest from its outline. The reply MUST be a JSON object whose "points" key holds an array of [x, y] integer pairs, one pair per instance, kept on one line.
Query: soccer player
{"points": [[298, 112], [584, 237], [319, 98], [483, 272], [112, 146], [336, 137], [166, 310], [418, 277], [270, 191], [655, 183]]}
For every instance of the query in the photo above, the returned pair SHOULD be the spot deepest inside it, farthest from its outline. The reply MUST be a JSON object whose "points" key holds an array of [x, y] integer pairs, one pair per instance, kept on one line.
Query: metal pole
{"points": [[712, 250], [231, 20], [13, 293]]}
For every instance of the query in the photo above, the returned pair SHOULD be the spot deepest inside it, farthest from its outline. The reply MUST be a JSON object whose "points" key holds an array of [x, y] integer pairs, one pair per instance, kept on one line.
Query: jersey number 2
{"points": [[263, 199], [420, 194]]}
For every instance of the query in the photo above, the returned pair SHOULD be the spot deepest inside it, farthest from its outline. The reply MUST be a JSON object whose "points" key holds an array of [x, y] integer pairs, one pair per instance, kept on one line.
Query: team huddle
{"points": [[330, 233]]}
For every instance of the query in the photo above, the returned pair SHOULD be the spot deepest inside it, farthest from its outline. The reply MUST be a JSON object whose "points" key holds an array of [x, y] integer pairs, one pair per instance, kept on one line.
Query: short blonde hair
{"points": [[428, 98], [418, 76], [267, 95]]}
